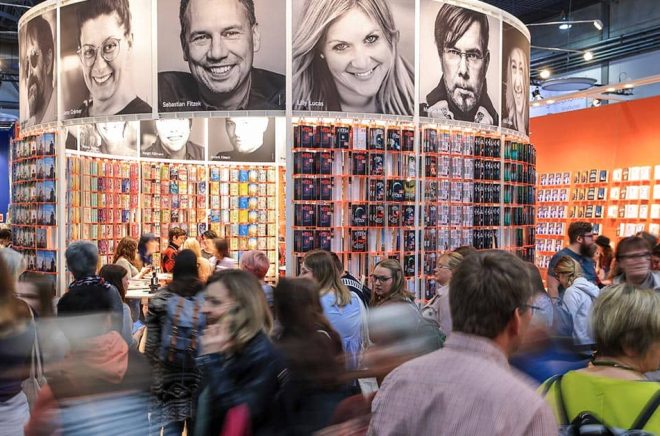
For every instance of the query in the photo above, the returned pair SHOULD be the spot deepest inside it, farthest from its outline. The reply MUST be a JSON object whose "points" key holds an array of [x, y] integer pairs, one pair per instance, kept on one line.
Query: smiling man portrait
{"points": [[38, 66], [219, 39]]}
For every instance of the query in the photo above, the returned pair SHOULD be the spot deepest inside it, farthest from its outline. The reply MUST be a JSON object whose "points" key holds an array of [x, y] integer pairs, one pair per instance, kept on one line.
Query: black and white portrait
{"points": [[38, 70], [178, 138], [242, 139], [106, 58], [116, 138], [459, 64], [354, 56], [515, 79], [221, 55]]}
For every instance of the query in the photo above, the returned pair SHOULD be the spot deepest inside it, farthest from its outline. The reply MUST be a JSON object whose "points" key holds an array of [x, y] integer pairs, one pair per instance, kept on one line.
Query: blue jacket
{"points": [[576, 307]]}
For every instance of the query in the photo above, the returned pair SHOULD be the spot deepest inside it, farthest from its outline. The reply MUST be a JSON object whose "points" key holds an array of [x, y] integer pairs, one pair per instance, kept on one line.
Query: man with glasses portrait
{"points": [[633, 256], [461, 36], [581, 248], [38, 69]]}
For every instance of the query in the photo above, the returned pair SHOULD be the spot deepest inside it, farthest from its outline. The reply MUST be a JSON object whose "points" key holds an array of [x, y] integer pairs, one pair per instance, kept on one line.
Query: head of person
{"points": [[655, 258], [39, 63], [489, 296], [633, 256], [82, 258], [567, 270], [447, 264], [15, 262], [105, 41], [246, 134], [176, 236], [5, 237], [235, 297], [466, 250], [192, 244], [338, 263], [113, 135], [94, 305], [319, 265], [387, 282], [535, 278], [297, 305], [648, 237], [127, 248], [603, 248], [221, 248], [461, 36], [8, 302], [207, 240], [256, 262], [517, 86], [185, 274], [219, 39], [626, 324], [580, 233], [346, 51], [173, 134], [147, 246], [117, 276]]}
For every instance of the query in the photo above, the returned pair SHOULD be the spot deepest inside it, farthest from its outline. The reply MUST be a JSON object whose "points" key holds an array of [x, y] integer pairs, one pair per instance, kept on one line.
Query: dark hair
{"points": [[249, 8], [452, 22], [175, 232], [142, 248], [127, 248], [631, 243], [90, 10], [5, 234], [338, 263], [466, 250], [485, 291], [185, 275], [652, 240], [82, 258], [222, 247], [39, 29], [209, 234], [535, 278], [656, 250], [577, 229], [114, 274]]}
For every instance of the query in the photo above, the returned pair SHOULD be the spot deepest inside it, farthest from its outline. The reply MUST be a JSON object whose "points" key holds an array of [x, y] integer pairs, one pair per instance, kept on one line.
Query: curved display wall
{"points": [[166, 116]]}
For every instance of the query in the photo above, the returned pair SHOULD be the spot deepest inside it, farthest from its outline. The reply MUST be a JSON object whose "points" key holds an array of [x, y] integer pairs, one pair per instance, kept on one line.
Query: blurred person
{"points": [[147, 246], [208, 247], [466, 250], [203, 265], [39, 70], [257, 263], [17, 333], [176, 236], [581, 248], [313, 351], [117, 276], [343, 309], [468, 384], [176, 377], [655, 258], [222, 259], [241, 368], [102, 386], [351, 282], [651, 239], [126, 256], [5, 238], [633, 256], [604, 257], [105, 46], [544, 316], [438, 307], [82, 259], [577, 301], [626, 325]]}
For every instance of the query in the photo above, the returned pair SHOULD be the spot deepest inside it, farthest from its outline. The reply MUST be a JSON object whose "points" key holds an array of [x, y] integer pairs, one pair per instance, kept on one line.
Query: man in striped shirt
{"points": [[468, 388]]}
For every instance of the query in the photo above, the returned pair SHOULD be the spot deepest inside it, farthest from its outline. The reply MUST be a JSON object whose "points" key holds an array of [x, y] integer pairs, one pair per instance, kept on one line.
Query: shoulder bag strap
{"points": [[563, 414], [647, 413], [195, 325], [177, 316]]}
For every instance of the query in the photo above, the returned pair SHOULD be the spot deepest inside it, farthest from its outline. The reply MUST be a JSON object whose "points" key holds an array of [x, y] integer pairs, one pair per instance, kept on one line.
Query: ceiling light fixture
{"points": [[545, 73], [567, 24], [629, 85], [598, 24], [588, 56], [610, 89]]}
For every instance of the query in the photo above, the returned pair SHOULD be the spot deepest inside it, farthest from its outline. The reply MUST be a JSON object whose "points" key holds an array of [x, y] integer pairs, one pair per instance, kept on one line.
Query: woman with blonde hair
{"points": [[574, 308], [516, 88], [437, 308], [126, 256], [203, 265], [388, 284], [342, 307], [240, 366], [346, 58], [626, 326]]}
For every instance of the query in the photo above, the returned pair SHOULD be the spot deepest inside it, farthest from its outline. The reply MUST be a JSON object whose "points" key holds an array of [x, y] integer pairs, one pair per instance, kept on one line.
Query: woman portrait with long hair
{"points": [[516, 90], [346, 58]]}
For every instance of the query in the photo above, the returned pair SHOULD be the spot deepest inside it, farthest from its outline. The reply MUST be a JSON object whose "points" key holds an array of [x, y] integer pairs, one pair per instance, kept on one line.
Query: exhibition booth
{"points": [[383, 130]]}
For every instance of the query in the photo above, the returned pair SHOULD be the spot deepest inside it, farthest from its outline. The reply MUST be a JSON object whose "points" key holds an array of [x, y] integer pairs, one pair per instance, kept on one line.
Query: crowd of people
{"points": [[218, 350]]}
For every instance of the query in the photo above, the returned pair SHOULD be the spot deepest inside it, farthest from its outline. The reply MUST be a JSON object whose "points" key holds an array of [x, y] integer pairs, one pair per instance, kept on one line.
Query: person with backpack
{"points": [[575, 306], [175, 322], [612, 391]]}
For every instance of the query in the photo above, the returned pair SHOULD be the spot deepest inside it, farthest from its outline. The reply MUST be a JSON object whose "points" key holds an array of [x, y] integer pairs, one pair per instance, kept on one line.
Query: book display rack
{"points": [[34, 202]]}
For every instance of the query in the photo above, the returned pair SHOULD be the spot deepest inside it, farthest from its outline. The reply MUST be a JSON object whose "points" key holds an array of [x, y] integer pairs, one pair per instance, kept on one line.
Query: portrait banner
{"points": [[175, 138], [515, 79], [106, 56], [115, 138], [242, 139], [358, 60], [459, 64], [221, 55]]}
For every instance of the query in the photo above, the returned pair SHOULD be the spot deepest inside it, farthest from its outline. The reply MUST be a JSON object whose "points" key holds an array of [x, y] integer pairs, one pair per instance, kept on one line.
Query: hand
{"points": [[483, 117], [440, 110]]}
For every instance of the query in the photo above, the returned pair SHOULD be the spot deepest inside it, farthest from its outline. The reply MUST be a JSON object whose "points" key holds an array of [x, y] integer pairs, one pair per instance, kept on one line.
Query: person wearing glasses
{"points": [[461, 36], [38, 71], [438, 307], [105, 48], [633, 256], [574, 309], [388, 284], [581, 248]]}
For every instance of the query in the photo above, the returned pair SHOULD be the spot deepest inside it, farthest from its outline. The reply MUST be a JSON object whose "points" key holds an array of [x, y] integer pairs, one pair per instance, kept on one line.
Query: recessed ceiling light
{"points": [[545, 73], [536, 104], [588, 55], [598, 24], [565, 26], [629, 85], [610, 89]]}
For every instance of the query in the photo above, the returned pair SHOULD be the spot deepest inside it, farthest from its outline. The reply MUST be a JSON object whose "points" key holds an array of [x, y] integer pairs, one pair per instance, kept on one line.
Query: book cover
{"points": [[409, 265], [407, 140], [393, 215], [359, 167], [395, 190], [358, 215], [431, 215], [409, 240], [430, 141], [359, 241], [305, 189], [323, 137], [394, 139], [376, 215], [408, 216], [324, 240], [431, 166], [304, 136], [304, 240], [376, 190], [376, 164], [409, 190], [324, 162], [304, 162], [305, 215], [360, 138], [376, 138], [324, 216], [343, 137], [324, 190]]}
